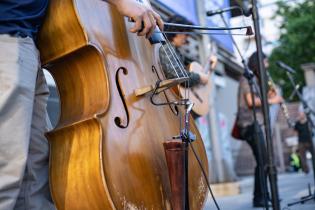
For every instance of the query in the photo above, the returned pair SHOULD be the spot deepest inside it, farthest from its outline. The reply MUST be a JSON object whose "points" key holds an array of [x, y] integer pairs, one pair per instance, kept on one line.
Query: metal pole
{"points": [[263, 86]]}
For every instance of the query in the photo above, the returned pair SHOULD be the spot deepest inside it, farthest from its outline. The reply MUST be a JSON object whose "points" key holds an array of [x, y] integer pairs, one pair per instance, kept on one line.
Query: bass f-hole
{"points": [[118, 120]]}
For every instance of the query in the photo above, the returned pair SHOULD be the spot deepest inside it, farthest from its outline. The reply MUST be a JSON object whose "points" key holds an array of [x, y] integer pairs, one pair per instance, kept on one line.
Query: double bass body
{"points": [[107, 149]]}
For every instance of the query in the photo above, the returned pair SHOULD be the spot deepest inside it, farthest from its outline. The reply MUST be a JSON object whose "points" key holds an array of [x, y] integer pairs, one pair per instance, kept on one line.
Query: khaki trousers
{"points": [[23, 122]]}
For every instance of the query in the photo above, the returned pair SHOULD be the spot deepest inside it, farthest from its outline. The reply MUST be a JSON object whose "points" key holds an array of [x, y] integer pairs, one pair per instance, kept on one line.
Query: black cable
{"points": [[204, 174]]}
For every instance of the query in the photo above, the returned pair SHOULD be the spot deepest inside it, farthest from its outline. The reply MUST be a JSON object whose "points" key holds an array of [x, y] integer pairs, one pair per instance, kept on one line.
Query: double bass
{"points": [[106, 151]]}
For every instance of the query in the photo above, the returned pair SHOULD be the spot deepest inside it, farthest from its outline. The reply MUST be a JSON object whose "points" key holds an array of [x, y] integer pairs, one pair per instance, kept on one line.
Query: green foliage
{"points": [[297, 42]]}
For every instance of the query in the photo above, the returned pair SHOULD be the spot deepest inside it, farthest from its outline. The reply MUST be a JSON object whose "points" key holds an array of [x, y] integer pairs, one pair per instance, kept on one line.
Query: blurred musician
{"points": [[169, 63], [245, 122]]}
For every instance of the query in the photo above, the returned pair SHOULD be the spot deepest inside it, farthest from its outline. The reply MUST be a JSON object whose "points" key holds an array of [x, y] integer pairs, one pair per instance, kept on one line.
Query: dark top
{"points": [[22, 17], [172, 69], [303, 131], [244, 113]]}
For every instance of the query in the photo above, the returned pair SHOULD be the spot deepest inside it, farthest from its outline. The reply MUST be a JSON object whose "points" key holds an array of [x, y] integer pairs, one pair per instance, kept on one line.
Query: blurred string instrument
{"points": [[273, 90], [200, 94]]}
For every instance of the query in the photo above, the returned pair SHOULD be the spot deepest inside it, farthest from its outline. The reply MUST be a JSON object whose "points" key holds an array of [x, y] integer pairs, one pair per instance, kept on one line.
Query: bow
{"points": [[188, 28]]}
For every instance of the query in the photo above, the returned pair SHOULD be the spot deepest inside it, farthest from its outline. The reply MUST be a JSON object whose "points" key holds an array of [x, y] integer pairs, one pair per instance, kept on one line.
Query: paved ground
{"points": [[291, 188]]}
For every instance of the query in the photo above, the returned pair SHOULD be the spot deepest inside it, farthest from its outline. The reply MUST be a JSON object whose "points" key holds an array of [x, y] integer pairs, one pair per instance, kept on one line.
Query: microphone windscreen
{"points": [[249, 31]]}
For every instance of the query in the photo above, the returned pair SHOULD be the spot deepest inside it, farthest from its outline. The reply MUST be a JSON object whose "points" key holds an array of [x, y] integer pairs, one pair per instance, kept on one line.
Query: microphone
{"points": [[285, 67], [247, 9], [220, 11]]}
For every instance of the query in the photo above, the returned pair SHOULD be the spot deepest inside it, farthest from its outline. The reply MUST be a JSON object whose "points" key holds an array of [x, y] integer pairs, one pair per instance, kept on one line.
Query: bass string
{"points": [[175, 58], [186, 96], [169, 60], [172, 57], [182, 68], [177, 66]]}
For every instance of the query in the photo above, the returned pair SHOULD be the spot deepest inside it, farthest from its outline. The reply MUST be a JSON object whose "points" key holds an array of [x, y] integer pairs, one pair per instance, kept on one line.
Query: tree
{"points": [[297, 42]]}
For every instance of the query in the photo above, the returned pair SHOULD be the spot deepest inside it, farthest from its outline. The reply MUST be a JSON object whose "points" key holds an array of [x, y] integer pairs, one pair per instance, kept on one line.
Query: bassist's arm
{"points": [[145, 17]]}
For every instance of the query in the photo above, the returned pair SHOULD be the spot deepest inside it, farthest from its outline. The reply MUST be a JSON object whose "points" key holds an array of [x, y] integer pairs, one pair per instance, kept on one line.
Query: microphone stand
{"points": [[308, 112], [271, 168], [248, 74]]}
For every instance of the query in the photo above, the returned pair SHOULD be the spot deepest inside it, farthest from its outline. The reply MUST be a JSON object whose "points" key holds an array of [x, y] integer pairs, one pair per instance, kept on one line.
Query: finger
{"points": [[158, 20], [147, 25], [153, 22], [138, 25], [213, 65]]}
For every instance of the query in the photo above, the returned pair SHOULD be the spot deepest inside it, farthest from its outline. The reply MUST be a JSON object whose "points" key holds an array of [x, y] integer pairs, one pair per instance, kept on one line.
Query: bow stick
{"points": [[182, 27], [195, 32], [249, 30]]}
